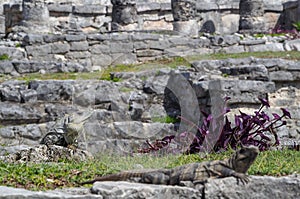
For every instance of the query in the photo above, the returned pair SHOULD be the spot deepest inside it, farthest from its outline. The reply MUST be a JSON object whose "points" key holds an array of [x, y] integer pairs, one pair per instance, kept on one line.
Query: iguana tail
{"points": [[116, 177]]}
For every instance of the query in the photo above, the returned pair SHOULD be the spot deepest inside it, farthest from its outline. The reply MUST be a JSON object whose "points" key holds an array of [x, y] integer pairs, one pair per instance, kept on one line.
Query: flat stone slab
{"points": [[259, 187], [10, 193]]}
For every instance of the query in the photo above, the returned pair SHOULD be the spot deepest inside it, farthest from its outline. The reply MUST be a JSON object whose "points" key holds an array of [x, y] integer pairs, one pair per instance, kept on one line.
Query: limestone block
{"points": [[6, 67], [249, 72], [233, 49], [138, 190], [160, 44], [63, 8], [31, 39], [28, 95], [100, 49], [101, 60], [12, 113], [271, 19], [140, 45], [206, 6], [59, 48], [116, 47], [79, 46], [35, 16], [230, 23], [250, 42], [245, 91], [275, 47], [259, 187], [10, 94], [50, 38], [78, 55], [148, 7], [146, 36], [124, 58], [2, 25], [188, 28], [38, 50], [148, 53], [52, 91], [290, 45], [123, 37], [90, 9]]}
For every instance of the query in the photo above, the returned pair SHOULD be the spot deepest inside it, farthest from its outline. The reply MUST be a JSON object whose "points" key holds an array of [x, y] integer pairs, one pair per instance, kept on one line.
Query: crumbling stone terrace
{"points": [[187, 17], [87, 52]]}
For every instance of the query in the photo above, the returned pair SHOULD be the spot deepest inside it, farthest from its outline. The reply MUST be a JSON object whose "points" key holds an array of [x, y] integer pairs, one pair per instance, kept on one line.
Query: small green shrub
{"points": [[4, 57], [297, 25], [125, 89], [167, 119]]}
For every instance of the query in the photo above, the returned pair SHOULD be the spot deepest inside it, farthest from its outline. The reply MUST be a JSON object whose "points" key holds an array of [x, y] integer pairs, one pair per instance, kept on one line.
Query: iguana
{"points": [[236, 166], [66, 129]]}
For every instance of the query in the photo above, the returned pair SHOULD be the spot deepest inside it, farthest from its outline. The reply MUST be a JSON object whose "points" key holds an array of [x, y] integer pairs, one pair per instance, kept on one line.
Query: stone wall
{"points": [[128, 112], [96, 51], [210, 16]]}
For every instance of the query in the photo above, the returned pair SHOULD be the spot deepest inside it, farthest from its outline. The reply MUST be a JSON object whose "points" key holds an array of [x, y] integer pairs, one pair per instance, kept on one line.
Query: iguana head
{"points": [[243, 158]]}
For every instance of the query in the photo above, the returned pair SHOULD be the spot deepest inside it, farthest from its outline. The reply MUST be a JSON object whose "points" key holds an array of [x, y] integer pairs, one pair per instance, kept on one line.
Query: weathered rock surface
{"points": [[138, 190], [43, 153], [9, 193], [258, 187]]}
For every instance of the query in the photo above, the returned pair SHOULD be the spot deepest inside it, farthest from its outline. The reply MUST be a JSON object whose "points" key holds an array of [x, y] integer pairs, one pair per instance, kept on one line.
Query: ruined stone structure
{"points": [[77, 37], [182, 16]]}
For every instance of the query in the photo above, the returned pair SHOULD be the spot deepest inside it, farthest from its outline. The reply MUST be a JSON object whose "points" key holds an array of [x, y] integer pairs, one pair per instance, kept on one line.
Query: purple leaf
{"points": [[237, 121], [264, 102], [265, 116], [209, 118], [183, 134], [286, 113], [227, 98], [226, 110], [264, 137], [276, 116], [168, 138], [204, 113]]}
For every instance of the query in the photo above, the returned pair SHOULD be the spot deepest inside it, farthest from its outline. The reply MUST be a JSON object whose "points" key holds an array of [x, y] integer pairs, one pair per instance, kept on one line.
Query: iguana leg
{"points": [[226, 172], [242, 177]]}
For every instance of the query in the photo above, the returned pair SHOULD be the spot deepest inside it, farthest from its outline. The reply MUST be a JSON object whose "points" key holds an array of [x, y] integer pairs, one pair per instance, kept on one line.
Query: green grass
{"points": [[291, 55], [68, 174], [61, 76], [157, 64], [274, 163]]}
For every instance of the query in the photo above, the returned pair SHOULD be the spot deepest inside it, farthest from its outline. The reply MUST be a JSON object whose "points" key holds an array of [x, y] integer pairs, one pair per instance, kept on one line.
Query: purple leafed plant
{"points": [[248, 129], [157, 145]]}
